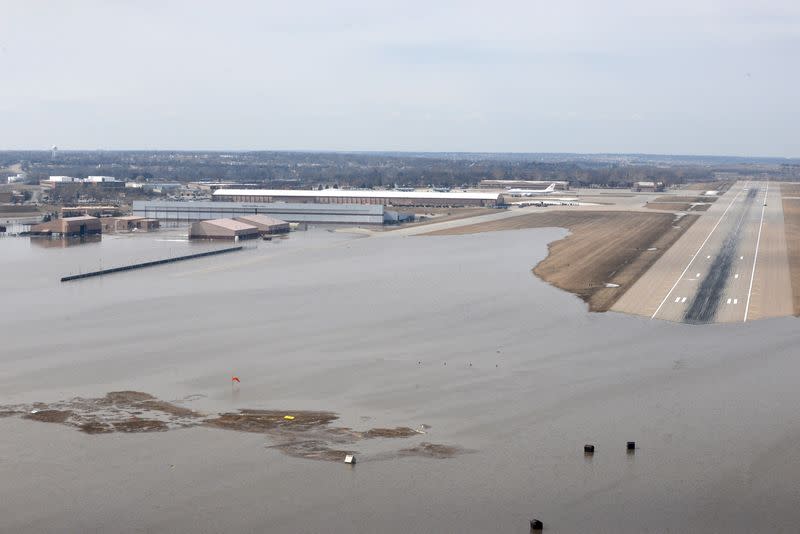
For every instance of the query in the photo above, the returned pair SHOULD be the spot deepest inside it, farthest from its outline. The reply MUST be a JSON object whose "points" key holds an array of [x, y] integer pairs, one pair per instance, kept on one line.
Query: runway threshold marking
{"points": [[755, 256], [736, 275], [695, 255], [729, 301]]}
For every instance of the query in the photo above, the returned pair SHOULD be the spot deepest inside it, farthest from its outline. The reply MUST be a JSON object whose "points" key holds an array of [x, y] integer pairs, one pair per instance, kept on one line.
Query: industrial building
{"points": [[561, 185], [265, 223], [128, 223], [177, 211], [223, 229], [69, 226], [347, 196]]}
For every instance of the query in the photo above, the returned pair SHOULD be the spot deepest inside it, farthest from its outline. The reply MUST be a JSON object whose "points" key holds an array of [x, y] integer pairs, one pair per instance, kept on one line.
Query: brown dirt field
{"points": [[791, 222], [720, 185], [668, 206], [604, 247], [790, 189]]}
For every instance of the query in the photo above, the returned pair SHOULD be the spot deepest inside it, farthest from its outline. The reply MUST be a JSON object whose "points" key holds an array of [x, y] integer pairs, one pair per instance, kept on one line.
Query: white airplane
{"points": [[549, 190]]}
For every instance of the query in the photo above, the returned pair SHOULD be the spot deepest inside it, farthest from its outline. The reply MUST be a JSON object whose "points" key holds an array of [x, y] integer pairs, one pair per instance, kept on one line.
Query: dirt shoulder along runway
{"points": [[791, 218], [605, 254]]}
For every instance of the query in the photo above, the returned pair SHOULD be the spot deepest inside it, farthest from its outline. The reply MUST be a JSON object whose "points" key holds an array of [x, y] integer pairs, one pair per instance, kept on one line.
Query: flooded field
{"points": [[465, 386]]}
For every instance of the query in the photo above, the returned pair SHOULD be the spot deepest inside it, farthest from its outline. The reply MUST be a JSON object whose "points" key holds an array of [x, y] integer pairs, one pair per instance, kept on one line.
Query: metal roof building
{"points": [[69, 226], [223, 229], [265, 223], [348, 196], [172, 210]]}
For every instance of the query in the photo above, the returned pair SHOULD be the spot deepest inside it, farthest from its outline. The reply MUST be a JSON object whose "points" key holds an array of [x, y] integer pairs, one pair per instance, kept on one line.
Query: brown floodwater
{"points": [[505, 377]]}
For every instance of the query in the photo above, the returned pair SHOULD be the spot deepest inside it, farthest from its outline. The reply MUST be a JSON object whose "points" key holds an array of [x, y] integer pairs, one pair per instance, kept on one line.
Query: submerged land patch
{"points": [[299, 433]]}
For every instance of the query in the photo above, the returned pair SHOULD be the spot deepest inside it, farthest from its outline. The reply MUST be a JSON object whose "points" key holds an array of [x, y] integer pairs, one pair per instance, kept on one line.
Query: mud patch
{"points": [[268, 420], [433, 450], [49, 416], [302, 434]]}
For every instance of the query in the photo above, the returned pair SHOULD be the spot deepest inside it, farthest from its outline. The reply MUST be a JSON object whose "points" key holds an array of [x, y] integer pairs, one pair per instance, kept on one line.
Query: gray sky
{"points": [[677, 76]]}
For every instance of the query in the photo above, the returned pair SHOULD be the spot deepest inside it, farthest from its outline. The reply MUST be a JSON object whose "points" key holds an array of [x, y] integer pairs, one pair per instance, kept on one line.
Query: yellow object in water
{"points": [[288, 417]]}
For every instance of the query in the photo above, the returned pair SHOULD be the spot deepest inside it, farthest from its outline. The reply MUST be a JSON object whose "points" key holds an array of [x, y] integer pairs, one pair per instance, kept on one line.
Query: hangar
{"points": [[69, 226], [223, 229], [351, 196], [265, 224]]}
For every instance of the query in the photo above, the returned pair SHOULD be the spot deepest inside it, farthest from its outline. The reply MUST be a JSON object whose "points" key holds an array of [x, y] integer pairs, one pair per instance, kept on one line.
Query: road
{"points": [[730, 266]]}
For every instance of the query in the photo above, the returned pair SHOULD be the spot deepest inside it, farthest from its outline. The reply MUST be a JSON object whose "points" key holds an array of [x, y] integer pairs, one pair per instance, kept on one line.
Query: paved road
{"points": [[706, 276]]}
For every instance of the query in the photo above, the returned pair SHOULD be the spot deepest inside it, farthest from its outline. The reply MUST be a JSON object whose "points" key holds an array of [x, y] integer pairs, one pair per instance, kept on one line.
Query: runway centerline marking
{"points": [[755, 256], [695, 255]]}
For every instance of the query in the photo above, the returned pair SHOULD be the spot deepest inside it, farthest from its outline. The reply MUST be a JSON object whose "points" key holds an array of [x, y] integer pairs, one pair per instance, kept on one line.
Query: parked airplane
{"points": [[549, 190]]}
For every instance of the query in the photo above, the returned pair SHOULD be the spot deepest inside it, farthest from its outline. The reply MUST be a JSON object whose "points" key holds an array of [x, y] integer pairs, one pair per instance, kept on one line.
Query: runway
{"points": [[731, 266]]}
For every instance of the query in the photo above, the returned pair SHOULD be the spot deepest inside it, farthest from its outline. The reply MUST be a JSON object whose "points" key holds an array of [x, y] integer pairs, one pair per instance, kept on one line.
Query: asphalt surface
{"points": [[730, 266]]}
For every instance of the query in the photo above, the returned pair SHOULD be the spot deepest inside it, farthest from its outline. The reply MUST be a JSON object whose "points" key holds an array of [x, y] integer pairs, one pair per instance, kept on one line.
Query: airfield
{"points": [[685, 255]]}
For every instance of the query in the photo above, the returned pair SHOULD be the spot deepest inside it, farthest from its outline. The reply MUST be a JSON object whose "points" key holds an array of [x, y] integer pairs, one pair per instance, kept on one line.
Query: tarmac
{"points": [[731, 266]]}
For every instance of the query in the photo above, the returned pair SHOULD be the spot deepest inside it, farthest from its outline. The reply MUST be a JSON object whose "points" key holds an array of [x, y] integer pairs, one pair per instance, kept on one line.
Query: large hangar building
{"points": [[178, 211], [223, 229], [349, 196]]}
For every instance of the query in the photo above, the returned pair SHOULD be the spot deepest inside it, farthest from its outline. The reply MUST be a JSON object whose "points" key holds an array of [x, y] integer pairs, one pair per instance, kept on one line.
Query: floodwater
{"points": [[451, 332]]}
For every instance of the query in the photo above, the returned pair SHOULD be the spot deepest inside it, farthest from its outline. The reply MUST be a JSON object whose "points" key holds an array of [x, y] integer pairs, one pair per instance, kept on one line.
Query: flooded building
{"points": [[69, 226], [129, 223], [223, 229], [265, 223], [180, 211]]}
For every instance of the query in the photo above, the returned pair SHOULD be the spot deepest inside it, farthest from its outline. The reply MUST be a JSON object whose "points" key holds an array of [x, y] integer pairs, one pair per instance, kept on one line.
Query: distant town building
{"points": [[20, 177], [223, 229]]}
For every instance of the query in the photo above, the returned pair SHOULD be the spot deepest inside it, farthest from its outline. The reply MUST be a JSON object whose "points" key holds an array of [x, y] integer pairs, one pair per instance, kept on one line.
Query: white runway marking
{"points": [[698, 275], [729, 301], [708, 257], [677, 299], [755, 256], [683, 300], [741, 257], [736, 301], [694, 256], [736, 275]]}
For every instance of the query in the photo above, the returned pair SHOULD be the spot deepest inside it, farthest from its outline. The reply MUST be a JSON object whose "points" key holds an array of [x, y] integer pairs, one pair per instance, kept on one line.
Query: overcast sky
{"points": [[670, 77]]}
